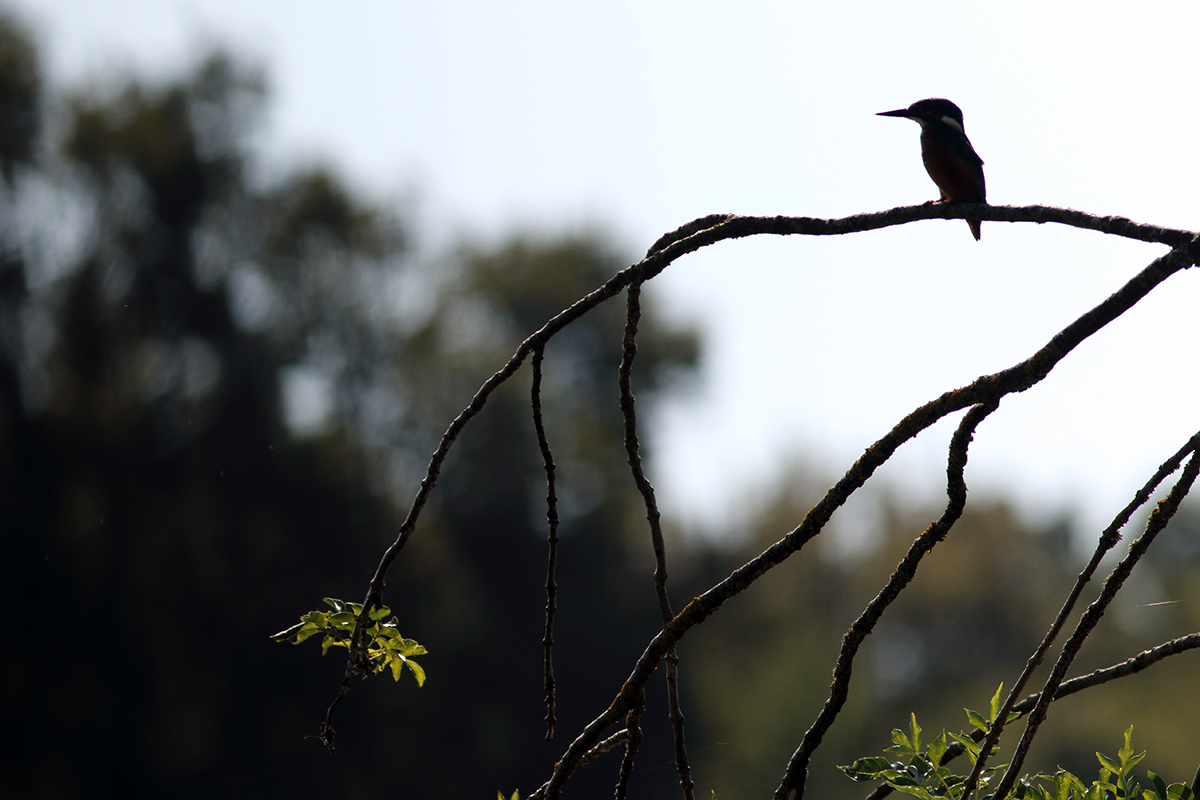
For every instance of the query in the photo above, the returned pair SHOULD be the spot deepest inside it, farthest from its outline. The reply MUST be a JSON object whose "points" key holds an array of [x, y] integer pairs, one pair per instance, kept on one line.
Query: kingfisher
{"points": [[947, 152]]}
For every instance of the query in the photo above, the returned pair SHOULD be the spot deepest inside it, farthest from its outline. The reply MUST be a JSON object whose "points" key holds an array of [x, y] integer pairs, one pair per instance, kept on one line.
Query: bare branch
{"points": [[956, 501], [732, 226], [629, 412], [1159, 518]]}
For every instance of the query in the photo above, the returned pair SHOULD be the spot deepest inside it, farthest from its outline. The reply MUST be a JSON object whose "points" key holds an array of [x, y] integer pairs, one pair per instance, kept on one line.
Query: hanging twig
{"points": [[632, 741], [552, 540], [632, 451]]}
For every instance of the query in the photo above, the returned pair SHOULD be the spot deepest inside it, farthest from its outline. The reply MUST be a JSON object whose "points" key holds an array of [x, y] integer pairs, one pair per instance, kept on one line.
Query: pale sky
{"points": [[640, 116]]}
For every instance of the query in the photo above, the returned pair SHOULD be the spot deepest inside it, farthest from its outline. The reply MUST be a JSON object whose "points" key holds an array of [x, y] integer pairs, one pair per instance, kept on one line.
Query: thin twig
{"points": [[552, 540], [1159, 518], [620, 737], [1108, 539], [632, 451], [633, 741], [608, 744], [956, 501], [1130, 666]]}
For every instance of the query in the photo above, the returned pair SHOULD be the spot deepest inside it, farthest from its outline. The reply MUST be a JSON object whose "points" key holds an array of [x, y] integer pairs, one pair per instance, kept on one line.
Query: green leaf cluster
{"points": [[386, 648], [922, 771], [1116, 781]]}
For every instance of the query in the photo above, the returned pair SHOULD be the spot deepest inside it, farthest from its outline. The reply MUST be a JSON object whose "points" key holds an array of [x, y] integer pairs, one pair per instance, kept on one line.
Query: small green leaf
{"points": [[1108, 764], [994, 706], [1179, 791], [284, 635], [379, 613], [977, 720], [1069, 783], [342, 619], [969, 745], [397, 668], [937, 749], [417, 671], [1160, 786], [918, 791], [867, 769], [307, 629], [1126, 751], [411, 648]]}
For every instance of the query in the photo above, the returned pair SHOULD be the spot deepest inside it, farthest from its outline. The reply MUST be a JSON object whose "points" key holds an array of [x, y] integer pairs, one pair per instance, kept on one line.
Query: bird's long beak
{"points": [[899, 112]]}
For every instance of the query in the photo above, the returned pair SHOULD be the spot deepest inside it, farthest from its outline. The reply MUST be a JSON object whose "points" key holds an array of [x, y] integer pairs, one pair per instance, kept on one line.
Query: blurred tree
{"points": [[208, 389]]}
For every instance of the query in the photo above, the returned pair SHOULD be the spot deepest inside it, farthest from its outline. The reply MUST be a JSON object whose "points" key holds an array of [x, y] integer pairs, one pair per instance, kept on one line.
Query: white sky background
{"points": [[640, 116]]}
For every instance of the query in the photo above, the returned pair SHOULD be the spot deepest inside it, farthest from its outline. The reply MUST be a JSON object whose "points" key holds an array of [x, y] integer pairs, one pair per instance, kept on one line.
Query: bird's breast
{"points": [[954, 166]]}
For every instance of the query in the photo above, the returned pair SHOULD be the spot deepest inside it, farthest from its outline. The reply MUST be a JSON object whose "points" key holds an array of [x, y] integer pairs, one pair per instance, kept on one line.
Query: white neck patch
{"points": [[953, 123]]}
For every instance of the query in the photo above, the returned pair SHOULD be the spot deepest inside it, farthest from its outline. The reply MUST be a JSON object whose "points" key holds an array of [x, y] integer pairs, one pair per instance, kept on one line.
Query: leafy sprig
{"points": [[387, 649], [922, 771]]}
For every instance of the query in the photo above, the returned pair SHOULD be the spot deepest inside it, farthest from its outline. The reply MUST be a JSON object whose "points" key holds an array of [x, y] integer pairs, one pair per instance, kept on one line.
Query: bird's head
{"points": [[931, 111]]}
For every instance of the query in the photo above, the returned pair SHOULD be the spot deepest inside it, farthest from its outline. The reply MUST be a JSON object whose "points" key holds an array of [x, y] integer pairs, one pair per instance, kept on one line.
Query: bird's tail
{"points": [[975, 224]]}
